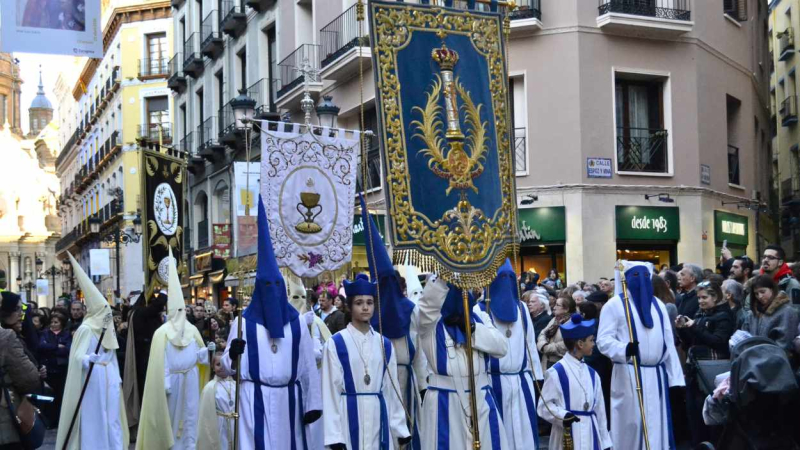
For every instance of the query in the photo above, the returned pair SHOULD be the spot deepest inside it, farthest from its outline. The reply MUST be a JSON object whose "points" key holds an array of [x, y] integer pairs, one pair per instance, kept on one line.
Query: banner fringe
{"points": [[463, 280]]}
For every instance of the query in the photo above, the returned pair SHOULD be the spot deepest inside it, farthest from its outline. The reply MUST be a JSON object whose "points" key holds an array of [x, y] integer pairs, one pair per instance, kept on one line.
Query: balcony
{"points": [[527, 18], [260, 5], [150, 68], [235, 20], [786, 44], [208, 139], [657, 17], [212, 43], [339, 46], [262, 91], [292, 69], [788, 111], [228, 133], [155, 133], [642, 150], [193, 60], [177, 80], [115, 79]]}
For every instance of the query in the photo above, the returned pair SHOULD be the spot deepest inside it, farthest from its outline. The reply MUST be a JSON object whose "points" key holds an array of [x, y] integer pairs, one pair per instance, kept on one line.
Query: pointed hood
{"points": [[98, 313], [396, 309], [269, 305], [297, 295], [413, 286], [639, 277], [178, 332], [504, 294], [453, 311]]}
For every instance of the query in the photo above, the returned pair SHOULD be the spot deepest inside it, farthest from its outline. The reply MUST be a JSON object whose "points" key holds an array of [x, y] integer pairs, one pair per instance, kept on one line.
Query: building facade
{"points": [[785, 170], [119, 104], [641, 128]]}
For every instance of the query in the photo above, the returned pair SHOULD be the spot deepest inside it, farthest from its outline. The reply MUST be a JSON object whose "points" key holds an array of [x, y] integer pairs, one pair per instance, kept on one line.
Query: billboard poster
{"points": [[244, 199], [68, 27]]}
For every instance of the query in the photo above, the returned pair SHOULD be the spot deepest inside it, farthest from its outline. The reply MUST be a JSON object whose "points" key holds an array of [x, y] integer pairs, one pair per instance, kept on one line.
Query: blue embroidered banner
{"points": [[442, 97]]}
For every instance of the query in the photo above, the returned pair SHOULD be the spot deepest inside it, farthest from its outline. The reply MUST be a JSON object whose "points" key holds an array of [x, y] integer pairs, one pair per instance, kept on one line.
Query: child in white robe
{"points": [[215, 427], [572, 396]]}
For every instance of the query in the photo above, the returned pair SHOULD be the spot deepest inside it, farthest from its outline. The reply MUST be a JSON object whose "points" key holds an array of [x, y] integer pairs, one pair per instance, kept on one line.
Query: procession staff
{"points": [[100, 423], [178, 361], [659, 367], [398, 320], [215, 425], [280, 387], [362, 412], [512, 376], [444, 417], [572, 396]]}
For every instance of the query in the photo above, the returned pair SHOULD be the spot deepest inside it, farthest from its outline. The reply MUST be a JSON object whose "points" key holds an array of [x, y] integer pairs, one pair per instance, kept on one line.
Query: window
{"points": [[222, 203], [373, 155], [641, 134], [157, 116], [157, 53], [733, 107], [201, 218], [519, 122], [272, 49], [242, 69]]}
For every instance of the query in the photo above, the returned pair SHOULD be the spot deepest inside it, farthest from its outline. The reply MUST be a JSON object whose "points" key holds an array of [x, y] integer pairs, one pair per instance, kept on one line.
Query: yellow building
{"points": [[121, 103]]}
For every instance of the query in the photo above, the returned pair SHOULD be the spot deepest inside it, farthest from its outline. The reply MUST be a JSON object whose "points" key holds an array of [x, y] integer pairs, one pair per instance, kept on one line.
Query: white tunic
{"points": [[582, 390], [274, 387], [416, 369], [444, 420], [182, 383], [224, 397], [356, 420], [511, 378], [314, 431], [100, 423], [659, 363]]}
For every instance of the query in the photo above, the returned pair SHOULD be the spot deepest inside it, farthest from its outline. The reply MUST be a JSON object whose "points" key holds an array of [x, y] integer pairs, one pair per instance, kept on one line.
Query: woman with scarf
{"points": [[550, 342]]}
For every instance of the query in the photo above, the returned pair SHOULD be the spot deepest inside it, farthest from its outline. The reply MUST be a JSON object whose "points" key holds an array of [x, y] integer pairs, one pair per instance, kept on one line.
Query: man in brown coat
{"points": [[19, 375]]}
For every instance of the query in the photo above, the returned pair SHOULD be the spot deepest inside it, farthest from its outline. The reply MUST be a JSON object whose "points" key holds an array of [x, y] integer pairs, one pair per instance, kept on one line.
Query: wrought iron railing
{"points": [[187, 143], [262, 92], [527, 9], [786, 41], [789, 110], [155, 132], [175, 65], [207, 133], [642, 150], [202, 233], [661, 9], [227, 120], [341, 35], [152, 67], [210, 28], [733, 164], [291, 67], [191, 50], [520, 150]]}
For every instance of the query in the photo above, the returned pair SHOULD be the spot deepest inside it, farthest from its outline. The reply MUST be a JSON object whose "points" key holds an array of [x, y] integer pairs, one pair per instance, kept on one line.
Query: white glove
{"points": [[212, 346], [94, 358]]}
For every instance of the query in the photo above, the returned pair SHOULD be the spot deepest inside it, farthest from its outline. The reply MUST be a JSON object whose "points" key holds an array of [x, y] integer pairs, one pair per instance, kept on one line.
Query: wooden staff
{"points": [[476, 438], [106, 321], [635, 357], [238, 371]]}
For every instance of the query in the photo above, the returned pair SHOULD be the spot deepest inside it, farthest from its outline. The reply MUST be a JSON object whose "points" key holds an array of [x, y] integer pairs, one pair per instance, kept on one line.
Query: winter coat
{"points": [[687, 304], [553, 349], [540, 322], [54, 358], [778, 322], [712, 329], [20, 376]]}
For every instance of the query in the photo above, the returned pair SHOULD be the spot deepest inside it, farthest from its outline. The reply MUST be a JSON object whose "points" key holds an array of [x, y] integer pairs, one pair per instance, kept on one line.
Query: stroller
{"points": [[763, 400]]}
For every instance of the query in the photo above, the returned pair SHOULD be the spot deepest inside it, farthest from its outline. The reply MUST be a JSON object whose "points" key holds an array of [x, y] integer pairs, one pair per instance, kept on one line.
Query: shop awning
{"points": [[216, 276], [539, 226], [197, 280], [233, 279]]}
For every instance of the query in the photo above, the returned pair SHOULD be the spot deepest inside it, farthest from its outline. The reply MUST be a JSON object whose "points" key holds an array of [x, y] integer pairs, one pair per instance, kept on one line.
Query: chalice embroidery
{"points": [[309, 201], [167, 212]]}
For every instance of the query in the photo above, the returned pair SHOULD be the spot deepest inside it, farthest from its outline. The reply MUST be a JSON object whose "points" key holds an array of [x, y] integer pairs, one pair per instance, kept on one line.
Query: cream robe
{"points": [[443, 416], [660, 364], [182, 384], [582, 389], [512, 377], [215, 426], [343, 412]]}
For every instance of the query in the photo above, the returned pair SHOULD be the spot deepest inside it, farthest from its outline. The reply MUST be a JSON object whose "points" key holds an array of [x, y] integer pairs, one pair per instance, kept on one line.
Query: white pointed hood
{"points": [[177, 325], [413, 286], [297, 294], [98, 312]]}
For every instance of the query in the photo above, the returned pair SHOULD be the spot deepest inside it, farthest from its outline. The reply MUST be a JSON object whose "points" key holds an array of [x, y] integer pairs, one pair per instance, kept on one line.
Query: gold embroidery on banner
{"points": [[463, 233]]}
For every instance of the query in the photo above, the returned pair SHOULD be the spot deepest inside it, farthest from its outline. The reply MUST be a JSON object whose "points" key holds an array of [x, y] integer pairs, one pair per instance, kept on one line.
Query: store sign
{"points": [[202, 263], [705, 174], [537, 226], [647, 223], [731, 227], [359, 231], [599, 168]]}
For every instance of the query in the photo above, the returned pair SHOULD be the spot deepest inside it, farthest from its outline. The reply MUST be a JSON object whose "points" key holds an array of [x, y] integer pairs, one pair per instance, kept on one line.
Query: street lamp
{"points": [[327, 112], [244, 109], [94, 225], [124, 238], [52, 272]]}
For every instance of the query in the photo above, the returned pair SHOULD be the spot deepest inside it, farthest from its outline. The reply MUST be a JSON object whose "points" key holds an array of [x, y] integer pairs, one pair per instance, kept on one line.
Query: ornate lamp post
{"points": [[52, 272], [119, 237]]}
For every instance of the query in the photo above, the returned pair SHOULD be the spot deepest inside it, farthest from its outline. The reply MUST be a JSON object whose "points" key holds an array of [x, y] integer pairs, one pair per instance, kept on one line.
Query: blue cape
{"points": [[396, 309], [504, 294], [269, 305], [454, 307], [640, 292]]}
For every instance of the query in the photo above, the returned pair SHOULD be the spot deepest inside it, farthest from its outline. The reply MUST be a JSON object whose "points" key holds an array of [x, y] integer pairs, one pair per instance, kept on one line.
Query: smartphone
{"points": [[725, 243]]}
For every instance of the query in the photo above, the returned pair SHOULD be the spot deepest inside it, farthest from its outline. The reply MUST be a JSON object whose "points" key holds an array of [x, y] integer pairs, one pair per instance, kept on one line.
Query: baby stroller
{"points": [[763, 399]]}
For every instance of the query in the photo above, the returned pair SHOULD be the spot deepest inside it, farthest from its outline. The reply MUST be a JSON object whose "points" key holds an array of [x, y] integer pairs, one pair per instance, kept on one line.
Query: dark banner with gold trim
{"points": [[162, 190], [442, 96]]}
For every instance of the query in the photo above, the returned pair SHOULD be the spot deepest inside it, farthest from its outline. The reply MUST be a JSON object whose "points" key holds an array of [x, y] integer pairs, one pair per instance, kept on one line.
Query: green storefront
{"points": [[543, 235], [733, 228], [360, 238], [648, 233]]}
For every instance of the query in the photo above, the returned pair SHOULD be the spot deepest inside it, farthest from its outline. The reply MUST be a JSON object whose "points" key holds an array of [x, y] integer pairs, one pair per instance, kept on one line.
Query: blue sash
{"points": [[352, 395], [255, 375], [443, 417], [564, 380]]}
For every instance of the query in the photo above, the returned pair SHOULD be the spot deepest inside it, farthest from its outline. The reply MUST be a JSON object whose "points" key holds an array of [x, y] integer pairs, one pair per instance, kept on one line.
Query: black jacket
{"points": [[687, 304], [711, 329], [335, 321], [540, 322]]}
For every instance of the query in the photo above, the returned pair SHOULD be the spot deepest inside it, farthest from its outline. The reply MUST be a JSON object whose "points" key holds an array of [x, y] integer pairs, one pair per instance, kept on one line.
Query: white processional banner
{"points": [[308, 184], [56, 27]]}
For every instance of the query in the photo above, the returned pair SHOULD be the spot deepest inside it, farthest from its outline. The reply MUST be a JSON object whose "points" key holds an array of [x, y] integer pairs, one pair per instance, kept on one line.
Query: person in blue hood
{"points": [[398, 320], [512, 376], [280, 390], [445, 424]]}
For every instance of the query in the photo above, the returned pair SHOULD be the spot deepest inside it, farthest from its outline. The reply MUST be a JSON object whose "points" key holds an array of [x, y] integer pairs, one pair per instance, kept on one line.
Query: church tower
{"points": [[10, 93], [41, 111]]}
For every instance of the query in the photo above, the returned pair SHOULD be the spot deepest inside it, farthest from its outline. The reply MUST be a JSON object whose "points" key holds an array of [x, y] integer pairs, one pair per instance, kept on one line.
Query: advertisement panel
{"points": [[64, 27]]}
